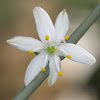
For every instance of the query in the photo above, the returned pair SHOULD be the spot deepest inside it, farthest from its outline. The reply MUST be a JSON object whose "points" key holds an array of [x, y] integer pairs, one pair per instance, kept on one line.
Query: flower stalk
{"points": [[25, 92], [85, 25]]}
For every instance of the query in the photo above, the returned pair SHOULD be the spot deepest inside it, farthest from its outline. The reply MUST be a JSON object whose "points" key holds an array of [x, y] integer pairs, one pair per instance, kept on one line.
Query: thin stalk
{"points": [[85, 25], [25, 92]]}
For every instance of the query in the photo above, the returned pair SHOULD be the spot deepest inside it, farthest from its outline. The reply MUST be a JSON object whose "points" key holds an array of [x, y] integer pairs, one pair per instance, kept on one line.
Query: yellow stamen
{"points": [[43, 69], [66, 37], [30, 51], [69, 56], [47, 37], [60, 73]]}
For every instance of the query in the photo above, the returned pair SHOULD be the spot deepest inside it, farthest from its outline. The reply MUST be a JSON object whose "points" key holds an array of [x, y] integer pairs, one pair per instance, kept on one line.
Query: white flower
{"points": [[51, 47]]}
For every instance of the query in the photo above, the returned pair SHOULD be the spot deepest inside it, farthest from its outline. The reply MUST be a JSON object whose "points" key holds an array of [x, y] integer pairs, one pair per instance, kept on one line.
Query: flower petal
{"points": [[53, 74], [34, 67], [61, 26], [78, 54], [26, 43], [44, 24]]}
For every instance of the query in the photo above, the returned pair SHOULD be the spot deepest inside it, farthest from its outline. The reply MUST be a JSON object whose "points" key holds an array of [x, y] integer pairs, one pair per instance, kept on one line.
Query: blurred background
{"points": [[79, 81]]}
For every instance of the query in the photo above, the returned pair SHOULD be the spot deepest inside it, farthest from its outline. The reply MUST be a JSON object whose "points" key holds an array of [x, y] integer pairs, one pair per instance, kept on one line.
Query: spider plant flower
{"points": [[50, 47]]}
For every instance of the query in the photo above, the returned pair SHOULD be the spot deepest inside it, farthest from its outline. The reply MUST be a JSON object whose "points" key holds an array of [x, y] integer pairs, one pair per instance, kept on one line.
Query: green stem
{"points": [[85, 25], [25, 92]]}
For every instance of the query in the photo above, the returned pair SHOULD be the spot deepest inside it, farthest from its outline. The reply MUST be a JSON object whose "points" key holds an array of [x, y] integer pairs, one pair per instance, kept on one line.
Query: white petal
{"points": [[26, 43], [53, 74], [34, 67], [45, 61], [44, 24], [61, 26], [78, 54]]}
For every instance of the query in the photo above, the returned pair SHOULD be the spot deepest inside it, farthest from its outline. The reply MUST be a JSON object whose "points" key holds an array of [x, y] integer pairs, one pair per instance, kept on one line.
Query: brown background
{"points": [[16, 19]]}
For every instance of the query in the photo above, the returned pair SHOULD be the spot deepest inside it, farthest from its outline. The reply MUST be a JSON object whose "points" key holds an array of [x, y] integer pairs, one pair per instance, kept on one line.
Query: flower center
{"points": [[51, 49]]}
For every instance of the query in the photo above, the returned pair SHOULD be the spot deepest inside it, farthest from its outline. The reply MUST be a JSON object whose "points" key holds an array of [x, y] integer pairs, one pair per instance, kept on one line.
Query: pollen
{"points": [[69, 56], [66, 37], [47, 37], [60, 73], [30, 51], [43, 69]]}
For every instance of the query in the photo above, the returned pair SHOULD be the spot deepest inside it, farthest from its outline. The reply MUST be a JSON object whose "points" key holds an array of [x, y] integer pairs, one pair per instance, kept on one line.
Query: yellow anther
{"points": [[69, 56], [43, 69], [47, 37], [60, 73], [66, 37], [30, 51]]}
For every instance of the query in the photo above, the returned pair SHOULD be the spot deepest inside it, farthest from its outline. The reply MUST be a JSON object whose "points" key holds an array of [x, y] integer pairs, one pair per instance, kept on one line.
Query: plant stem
{"points": [[85, 25], [25, 92]]}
